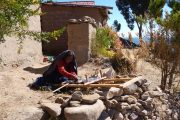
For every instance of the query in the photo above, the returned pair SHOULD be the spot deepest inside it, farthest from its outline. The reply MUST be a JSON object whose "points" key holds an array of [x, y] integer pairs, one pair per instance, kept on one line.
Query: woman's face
{"points": [[68, 59]]}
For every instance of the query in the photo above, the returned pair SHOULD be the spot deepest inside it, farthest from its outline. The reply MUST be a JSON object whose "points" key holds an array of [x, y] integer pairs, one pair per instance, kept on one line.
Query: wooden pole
{"points": [[116, 80], [95, 81], [94, 85], [61, 87]]}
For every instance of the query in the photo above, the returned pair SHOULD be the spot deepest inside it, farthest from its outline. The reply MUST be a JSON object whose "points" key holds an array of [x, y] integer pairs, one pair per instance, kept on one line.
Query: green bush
{"points": [[103, 42]]}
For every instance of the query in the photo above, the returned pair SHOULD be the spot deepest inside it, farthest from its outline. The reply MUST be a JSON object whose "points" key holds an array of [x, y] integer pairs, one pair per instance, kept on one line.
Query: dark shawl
{"points": [[53, 66]]}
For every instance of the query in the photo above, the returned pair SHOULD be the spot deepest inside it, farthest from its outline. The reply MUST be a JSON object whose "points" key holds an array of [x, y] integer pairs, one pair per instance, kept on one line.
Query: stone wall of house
{"points": [[79, 40], [56, 17], [31, 50]]}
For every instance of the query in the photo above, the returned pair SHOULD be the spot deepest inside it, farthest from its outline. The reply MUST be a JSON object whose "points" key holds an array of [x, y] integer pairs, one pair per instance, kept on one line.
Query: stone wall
{"points": [[56, 17], [79, 40], [31, 51]]}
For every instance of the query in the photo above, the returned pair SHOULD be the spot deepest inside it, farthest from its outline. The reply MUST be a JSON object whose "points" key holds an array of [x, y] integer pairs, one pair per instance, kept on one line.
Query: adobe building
{"points": [[57, 14]]}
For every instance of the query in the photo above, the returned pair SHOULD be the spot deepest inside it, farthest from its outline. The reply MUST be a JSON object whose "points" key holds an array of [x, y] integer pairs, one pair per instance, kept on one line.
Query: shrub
{"points": [[103, 43]]}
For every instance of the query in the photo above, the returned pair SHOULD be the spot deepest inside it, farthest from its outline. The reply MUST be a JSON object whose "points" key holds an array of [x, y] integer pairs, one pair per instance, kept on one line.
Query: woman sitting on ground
{"points": [[62, 69]]}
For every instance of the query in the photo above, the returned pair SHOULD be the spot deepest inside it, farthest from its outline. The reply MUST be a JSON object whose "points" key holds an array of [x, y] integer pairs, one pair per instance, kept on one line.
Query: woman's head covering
{"points": [[58, 58]]}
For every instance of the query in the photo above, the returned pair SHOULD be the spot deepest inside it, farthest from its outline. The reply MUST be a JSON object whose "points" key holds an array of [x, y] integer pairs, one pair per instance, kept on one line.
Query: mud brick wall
{"points": [[56, 17], [31, 50], [79, 40]]}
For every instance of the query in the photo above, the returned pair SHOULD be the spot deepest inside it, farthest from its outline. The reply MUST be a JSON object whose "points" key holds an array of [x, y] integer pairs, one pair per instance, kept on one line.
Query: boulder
{"points": [[54, 109], [130, 87], [77, 96], [26, 113], [84, 112], [90, 99], [74, 103], [113, 91]]}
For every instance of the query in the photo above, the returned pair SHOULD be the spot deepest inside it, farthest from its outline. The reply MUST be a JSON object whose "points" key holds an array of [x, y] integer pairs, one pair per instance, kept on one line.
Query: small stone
{"points": [[131, 100], [136, 95], [142, 102], [59, 100], [111, 103], [124, 98], [54, 109], [118, 116], [133, 116], [154, 118], [175, 116], [74, 103], [158, 88], [122, 107], [144, 112], [135, 107], [77, 96], [155, 94], [168, 111], [90, 99], [139, 90], [164, 107], [145, 88], [145, 96], [114, 92]]}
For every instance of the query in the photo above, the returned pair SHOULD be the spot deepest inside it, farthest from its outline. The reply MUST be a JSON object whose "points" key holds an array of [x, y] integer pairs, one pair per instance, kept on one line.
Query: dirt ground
{"points": [[15, 96]]}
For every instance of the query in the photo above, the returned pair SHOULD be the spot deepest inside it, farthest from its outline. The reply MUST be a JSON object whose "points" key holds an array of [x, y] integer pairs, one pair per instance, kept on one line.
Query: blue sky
{"points": [[115, 15]]}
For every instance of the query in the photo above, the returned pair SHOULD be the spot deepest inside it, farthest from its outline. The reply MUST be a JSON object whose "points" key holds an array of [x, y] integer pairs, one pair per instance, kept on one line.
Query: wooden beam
{"points": [[94, 85], [95, 81], [115, 80]]}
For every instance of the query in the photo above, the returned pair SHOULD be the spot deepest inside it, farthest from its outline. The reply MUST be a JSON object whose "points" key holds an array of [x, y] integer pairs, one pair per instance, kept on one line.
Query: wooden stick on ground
{"points": [[95, 81], [94, 85], [60, 87], [116, 80]]}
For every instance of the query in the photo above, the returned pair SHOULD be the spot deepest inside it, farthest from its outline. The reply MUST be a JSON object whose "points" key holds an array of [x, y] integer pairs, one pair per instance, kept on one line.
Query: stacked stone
{"points": [[85, 19], [132, 102]]}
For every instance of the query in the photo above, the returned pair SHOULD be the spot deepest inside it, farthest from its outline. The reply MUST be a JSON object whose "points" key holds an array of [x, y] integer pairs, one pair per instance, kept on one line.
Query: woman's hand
{"points": [[74, 77]]}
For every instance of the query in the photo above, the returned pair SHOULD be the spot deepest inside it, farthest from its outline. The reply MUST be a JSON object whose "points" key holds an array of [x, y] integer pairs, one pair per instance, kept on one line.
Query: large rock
{"points": [[90, 99], [84, 112], [131, 86], [74, 103], [77, 96], [54, 109], [114, 92], [26, 113]]}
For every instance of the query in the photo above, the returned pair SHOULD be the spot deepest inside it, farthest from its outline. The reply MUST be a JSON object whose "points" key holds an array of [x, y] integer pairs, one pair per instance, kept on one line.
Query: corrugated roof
{"points": [[69, 4]]}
